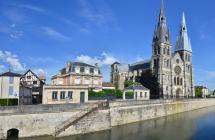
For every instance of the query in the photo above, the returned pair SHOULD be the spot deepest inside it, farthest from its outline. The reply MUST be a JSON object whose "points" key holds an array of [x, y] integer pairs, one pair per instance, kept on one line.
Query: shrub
{"points": [[8, 102], [106, 93]]}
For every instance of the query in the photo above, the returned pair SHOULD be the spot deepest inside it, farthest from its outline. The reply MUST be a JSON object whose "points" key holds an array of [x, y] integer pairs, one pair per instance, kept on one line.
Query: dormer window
{"points": [[77, 70]]}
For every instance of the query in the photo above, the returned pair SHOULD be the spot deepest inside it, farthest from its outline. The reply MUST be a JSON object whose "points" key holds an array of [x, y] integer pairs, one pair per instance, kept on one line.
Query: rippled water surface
{"points": [[195, 125]]}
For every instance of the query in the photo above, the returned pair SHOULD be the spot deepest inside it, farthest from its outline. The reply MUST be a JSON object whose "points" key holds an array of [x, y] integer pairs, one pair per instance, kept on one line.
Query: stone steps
{"points": [[74, 119]]}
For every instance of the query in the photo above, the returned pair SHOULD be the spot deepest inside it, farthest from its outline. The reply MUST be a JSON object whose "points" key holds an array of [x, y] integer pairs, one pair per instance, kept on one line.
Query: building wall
{"points": [[76, 91], [5, 85], [25, 95]]}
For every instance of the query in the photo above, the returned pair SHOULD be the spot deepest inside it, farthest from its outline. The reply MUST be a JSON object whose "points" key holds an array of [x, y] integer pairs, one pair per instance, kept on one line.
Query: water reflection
{"points": [[195, 125]]}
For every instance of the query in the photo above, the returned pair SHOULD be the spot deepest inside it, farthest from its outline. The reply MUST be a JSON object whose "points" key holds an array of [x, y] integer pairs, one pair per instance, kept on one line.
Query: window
{"points": [[178, 81], [167, 64], [34, 82], [164, 51], [82, 69], [77, 81], [54, 95], [86, 81], [145, 94], [181, 82], [11, 90], [155, 51], [168, 51], [95, 82], [77, 70], [155, 63], [11, 80], [62, 95], [175, 80], [91, 70], [87, 71], [28, 77], [141, 94], [96, 71], [70, 94]]}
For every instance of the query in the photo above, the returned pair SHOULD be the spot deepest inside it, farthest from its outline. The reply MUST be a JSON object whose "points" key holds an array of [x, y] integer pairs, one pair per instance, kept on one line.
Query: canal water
{"points": [[195, 125]]}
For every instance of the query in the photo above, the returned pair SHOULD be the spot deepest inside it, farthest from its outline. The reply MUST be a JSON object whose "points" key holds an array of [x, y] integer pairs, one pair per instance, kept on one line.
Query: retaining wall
{"points": [[118, 113]]}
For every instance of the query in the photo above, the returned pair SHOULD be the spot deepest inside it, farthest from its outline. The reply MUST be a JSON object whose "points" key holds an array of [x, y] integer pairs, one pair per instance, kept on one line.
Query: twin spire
{"points": [[162, 33], [183, 41]]}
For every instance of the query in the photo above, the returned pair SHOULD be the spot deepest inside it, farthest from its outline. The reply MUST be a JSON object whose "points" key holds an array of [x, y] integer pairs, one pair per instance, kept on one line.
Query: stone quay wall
{"points": [[64, 120]]}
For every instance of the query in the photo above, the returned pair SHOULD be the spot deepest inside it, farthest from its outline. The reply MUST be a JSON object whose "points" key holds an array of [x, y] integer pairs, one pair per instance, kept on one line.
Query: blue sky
{"points": [[44, 34]]}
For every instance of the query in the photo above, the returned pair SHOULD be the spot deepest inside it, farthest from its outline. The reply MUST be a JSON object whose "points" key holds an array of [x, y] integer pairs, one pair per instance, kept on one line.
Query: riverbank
{"points": [[90, 117]]}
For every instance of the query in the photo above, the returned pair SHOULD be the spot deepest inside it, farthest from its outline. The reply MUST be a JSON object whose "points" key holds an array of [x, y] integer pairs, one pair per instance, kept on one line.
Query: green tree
{"points": [[198, 92], [128, 83], [148, 80]]}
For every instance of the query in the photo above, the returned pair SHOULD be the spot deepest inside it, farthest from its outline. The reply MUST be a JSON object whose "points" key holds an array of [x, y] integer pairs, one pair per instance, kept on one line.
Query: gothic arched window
{"points": [[164, 51], [155, 50], [159, 50], [181, 82], [175, 80], [178, 81]]}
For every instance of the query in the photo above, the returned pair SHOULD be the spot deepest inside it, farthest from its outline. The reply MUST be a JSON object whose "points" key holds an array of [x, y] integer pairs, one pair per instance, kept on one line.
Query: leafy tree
{"points": [[148, 80], [198, 92], [128, 83]]}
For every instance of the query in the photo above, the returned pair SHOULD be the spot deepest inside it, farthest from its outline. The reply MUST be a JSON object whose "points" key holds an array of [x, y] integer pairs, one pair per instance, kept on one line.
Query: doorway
{"points": [[82, 97]]}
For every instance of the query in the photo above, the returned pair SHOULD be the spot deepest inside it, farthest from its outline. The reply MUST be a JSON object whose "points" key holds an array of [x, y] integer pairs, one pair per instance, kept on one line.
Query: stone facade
{"points": [[173, 69], [61, 94], [77, 73]]}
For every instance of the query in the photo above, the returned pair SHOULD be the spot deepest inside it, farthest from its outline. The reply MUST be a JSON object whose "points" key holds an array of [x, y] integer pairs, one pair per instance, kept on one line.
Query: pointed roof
{"points": [[162, 9], [161, 33], [183, 41], [11, 74]]}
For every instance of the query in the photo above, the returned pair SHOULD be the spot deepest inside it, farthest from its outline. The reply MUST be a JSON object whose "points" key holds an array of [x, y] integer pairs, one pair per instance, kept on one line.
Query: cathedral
{"points": [[172, 69]]}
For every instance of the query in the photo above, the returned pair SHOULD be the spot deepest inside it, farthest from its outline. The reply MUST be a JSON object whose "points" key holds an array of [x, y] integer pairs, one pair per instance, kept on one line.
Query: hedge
{"points": [[8, 102], [106, 93]]}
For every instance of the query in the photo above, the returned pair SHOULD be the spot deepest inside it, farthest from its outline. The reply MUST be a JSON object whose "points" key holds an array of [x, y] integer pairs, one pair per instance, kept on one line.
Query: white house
{"points": [[140, 92], [9, 85]]}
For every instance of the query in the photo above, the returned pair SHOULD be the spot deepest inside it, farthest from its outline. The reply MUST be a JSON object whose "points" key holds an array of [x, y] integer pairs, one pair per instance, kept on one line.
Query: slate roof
{"points": [[183, 41], [11, 74], [140, 65], [161, 33], [123, 67], [136, 87], [79, 64]]}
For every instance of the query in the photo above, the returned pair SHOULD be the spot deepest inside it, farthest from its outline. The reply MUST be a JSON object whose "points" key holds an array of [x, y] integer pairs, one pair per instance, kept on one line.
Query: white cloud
{"points": [[54, 34], [31, 7], [40, 71], [16, 34], [12, 60], [98, 14], [103, 60], [15, 16], [11, 31], [205, 78]]}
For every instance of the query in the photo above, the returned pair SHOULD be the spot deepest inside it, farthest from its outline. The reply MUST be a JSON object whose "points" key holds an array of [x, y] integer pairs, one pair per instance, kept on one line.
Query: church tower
{"points": [[183, 47], [161, 55]]}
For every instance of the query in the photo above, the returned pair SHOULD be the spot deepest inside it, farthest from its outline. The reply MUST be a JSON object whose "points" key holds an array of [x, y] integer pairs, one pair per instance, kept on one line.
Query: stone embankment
{"points": [[72, 119]]}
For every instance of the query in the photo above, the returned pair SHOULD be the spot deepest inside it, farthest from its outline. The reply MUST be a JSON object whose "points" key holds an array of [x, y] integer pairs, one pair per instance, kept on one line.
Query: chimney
{"points": [[97, 65]]}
